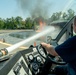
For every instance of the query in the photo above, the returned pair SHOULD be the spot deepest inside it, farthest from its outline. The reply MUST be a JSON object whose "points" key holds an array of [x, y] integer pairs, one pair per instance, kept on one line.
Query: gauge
{"points": [[35, 66], [30, 57], [39, 59]]}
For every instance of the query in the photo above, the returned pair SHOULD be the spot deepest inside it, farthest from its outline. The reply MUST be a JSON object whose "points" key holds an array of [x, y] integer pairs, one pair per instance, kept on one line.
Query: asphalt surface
{"points": [[4, 44], [9, 40]]}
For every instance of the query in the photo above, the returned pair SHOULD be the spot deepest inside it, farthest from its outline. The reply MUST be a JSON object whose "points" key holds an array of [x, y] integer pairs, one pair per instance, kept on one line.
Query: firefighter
{"points": [[67, 51]]}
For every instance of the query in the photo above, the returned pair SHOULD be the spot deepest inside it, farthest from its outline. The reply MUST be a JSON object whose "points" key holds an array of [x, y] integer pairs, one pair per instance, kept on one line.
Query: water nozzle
{"points": [[3, 52]]}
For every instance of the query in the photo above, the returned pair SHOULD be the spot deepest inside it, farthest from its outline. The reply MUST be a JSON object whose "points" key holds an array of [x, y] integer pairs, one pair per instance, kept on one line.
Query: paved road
{"points": [[10, 31], [5, 44], [4, 34]]}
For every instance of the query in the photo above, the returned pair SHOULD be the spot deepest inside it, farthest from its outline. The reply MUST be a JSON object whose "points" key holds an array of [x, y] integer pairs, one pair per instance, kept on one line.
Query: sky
{"points": [[26, 8]]}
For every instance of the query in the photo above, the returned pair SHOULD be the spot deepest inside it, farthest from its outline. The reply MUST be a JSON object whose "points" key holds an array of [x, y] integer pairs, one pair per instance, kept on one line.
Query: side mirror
{"points": [[48, 39]]}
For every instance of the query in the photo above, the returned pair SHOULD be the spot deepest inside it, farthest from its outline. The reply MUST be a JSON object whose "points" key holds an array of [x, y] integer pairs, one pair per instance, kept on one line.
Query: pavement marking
{"points": [[11, 45]]}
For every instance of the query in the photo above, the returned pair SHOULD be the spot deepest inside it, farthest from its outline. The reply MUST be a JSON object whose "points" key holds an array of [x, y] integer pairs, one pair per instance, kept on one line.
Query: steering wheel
{"points": [[41, 50]]}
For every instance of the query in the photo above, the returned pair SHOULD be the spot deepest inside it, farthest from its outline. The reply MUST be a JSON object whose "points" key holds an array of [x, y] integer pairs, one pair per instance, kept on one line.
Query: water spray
{"points": [[17, 45]]}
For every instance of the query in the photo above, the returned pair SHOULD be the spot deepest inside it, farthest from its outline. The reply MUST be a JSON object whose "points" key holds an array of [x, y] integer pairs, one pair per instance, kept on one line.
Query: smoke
{"points": [[34, 8]]}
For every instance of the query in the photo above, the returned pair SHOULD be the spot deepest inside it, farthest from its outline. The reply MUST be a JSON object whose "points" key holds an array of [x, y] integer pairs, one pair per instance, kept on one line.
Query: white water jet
{"points": [[42, 33]]}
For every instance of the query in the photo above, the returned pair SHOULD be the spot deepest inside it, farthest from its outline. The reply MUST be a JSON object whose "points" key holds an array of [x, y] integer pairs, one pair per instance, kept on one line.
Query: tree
{"points": [[29, 23], [70, 13], [59, 15], [1, 24], [64, 16], [56, 16], [18, 21]]}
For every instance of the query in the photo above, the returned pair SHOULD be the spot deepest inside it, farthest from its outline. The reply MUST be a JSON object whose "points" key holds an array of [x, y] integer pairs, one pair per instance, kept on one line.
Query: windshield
{"points": [[31, 22]]}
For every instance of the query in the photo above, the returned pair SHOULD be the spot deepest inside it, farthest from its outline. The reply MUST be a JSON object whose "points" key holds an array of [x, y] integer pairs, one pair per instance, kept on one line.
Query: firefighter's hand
{"points": [[49, 48]]}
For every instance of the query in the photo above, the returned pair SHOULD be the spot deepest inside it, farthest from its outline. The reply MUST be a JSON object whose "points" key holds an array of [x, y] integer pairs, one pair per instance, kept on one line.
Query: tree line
{"points": [[31, 23]]}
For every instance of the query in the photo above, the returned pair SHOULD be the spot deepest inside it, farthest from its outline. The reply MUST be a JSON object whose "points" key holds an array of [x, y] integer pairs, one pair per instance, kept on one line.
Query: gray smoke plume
{"points": [[34, 8]]}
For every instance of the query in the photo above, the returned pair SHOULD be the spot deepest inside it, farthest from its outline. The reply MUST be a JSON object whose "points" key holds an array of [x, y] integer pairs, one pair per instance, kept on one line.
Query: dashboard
{"points": [[31, 61], [25, 62]]}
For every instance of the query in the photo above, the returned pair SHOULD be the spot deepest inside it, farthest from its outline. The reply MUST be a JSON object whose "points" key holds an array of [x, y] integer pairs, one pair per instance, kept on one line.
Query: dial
{"points": [[39, 59], [30, 57]]}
